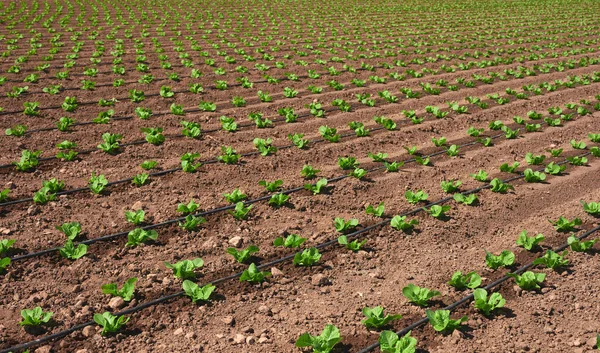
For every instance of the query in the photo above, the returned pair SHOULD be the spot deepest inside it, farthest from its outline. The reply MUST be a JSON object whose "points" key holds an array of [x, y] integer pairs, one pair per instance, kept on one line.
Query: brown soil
{"points": [[270, 316]]}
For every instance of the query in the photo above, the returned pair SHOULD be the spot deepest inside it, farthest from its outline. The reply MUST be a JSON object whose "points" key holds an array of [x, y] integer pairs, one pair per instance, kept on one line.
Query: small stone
{"points": [[275, 272], [239, 339], [32, 211], [263, 309], [137, 206], [116, 303], [88, 331], [236, 242], [178, 332], [44, 349], [10, 185], [548, 329], [247, 329], [263, 339], [5, 231], [228, 320], [320, 280], [577, 343], [191, 335], [250, 340]]}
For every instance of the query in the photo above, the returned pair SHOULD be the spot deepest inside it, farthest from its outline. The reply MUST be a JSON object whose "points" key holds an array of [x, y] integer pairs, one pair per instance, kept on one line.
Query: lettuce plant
{"points": [[415, 197], [470, 280], [185, 269], [343, 226], [354, 245], [505, 259], [323, 343], [253, 275], [592, 208], [441, 322], [375, 211], [417, 295], [240, 211], [139, 236], [527, 242], [72, 252], [400, 223], [574, 243], [35, 317], [487, 305], [528, 280], [291, 241], [110, 323], [308, 257], [196, 292], [242, 256], [564, 225], [375, 318], [97, 183], [70, 229], [126, 292], [552, 260], [389, 342]]}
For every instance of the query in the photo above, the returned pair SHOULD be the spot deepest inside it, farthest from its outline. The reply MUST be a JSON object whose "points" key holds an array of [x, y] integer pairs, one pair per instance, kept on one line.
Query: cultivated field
{"points": [[257, 176]]}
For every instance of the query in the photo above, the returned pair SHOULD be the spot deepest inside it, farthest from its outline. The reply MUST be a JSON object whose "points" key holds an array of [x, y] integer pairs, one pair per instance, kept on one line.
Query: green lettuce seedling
{"points": [[35, 317], [574, 243], [291, 241], [564, 225], [323, 343], [389, 342], [376, 318], [592, 208], [318, 187], [253, 275], [191, 207], [344, 226], [110, 323], [135, 217], [441, 322], [271, 186], [69, 251], [417, 295], [191, 222], [529, 243], [308, 257], [470, 280], [185, 269], [235, 196], [467, 200], [481, 301], [126, 292], [400, 223], [552, 260], [415, 197], [354, 245], [139, 236], [70, 229], [196, 292], [528, 280], [505, 259], [242, 256], [375, 211], [240, 211]]}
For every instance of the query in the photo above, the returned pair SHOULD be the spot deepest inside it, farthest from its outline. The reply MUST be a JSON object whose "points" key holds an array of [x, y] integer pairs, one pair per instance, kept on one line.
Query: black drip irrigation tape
{"points": [[355, 234], [469, 297]]}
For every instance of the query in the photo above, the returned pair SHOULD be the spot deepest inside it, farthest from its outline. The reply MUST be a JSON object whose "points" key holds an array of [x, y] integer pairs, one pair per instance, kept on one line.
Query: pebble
{"points": [[88, 331], [32, 211], [320, 280], [236, 242], [137, 206], [44, 349], [239, 339], [178, 332], [228, 320], [250, 340], [116, 303], [275, 272]]}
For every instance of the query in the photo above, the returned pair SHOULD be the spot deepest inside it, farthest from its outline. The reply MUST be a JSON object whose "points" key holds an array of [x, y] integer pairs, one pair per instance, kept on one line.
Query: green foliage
{"points": [[253, 275], [111, 143], [470, 280], [376, 318], [450, 186], [415, 197], [235, 196], [400, 223], [323, 343], [441, 322], [242, 256], [308, 172], [505, 259], [126, 292], [264, 146], [35, 317], [308, 257], [499, 186], [291, 241], [564, 225], [375, 211], [110, 323], [552, 260], [574, 243], [438, 211], [185, 269], [229, 155], [485, 304], [354, 245], [188, 208], [188, 164], [196, 292], [317, 187], [70, 229], [389, 342], [417, 295], [97, 183], [528, 280], [528, 243], [72, 252], [592, 208], [344, 226], [28, 162], [139, 236], [240, 211]]}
